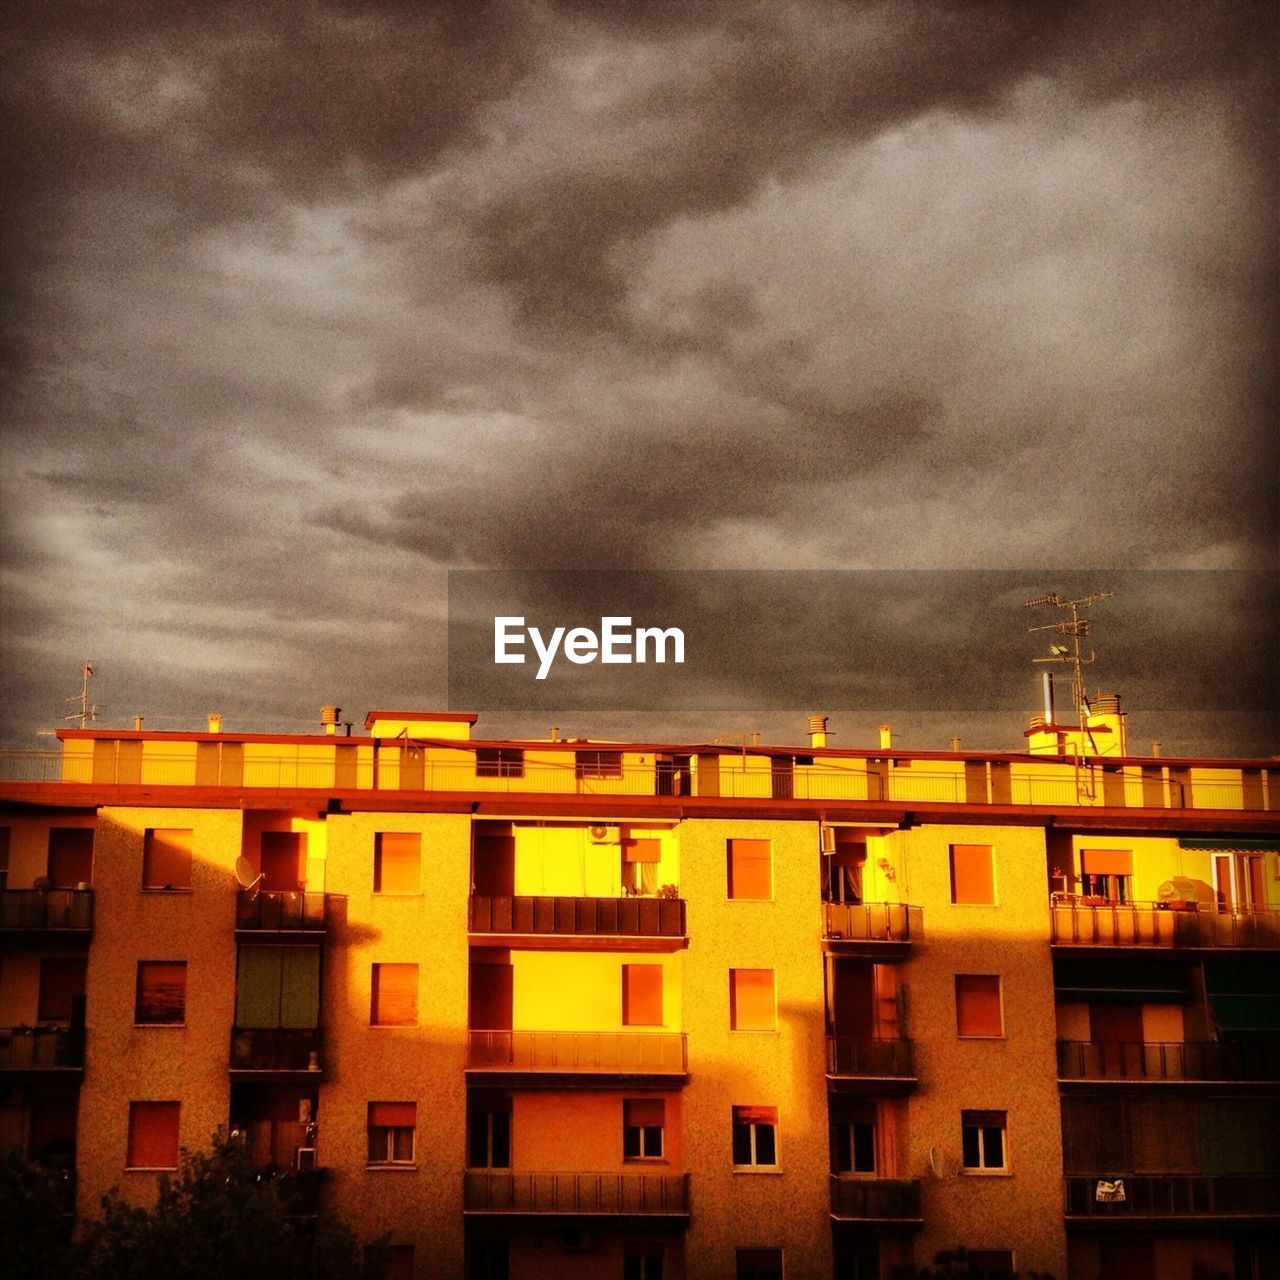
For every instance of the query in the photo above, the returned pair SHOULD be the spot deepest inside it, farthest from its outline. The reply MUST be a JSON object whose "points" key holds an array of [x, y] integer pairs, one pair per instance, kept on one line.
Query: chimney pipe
{"points": [[886, 736], [1155, 749], [215, 723], [817, 731], [1046, 679], [137, 724], [329, 719], [755, 737], [955, 744], [555, 733]]}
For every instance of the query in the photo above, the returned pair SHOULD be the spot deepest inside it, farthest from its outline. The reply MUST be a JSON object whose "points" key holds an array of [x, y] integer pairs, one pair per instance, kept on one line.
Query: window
{"points": [[161, 992], [153, 1135], [755, 1137], [284, 861], [61, 986], [488, 1259], [390, 1261], [642, 1261], [973, 878], [397, 862], [500, 762], [4, 856], [643, 1120], [983, 1139], [853, 1136], [1106, 874], [166, 858], [70, 857], [278, 987], [598, 764], [391, 1129], [642, 995], [488, 1132], [640, 859], [751, 1000], [759, 1264], [978, 1006], [997, 1264], [750, 869], [395, 996]]}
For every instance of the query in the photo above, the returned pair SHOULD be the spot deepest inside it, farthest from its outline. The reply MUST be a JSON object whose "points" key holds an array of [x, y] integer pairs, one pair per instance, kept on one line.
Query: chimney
{"points": [[955, 744], [886, 736], [555, 733], [215, 723], [329, 719], [137, 724], [1155, 749], [817, 731], [1046, 680]]}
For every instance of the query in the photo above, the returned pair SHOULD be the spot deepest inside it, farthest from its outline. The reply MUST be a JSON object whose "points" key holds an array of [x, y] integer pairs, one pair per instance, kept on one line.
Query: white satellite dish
{"points": [[936, 1166], [246, 876]]}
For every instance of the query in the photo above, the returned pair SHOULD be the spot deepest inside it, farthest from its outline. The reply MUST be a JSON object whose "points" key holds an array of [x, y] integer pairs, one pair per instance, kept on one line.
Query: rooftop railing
{"points": [[586, 1194], [280, 911], [46, 909], [1146, 1195], [866, 1057], [872, 922], [1218, 1060], [580, 1052], [41, 1048], [875, 1199], [628, 917], [1151, 924], [860, 781]]}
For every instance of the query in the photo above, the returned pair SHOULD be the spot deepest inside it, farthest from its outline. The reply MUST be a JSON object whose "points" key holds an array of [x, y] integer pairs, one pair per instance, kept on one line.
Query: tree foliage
{"points": [[956, 1264]]}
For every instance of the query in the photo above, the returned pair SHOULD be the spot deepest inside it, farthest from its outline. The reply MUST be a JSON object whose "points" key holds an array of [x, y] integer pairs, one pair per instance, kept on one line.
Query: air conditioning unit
{"points": [[578, 1241], [305, 1159], [603, 835]]}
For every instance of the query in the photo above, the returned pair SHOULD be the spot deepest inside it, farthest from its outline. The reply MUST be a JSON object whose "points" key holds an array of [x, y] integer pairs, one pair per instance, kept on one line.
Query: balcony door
{"points": [[863, 1000], [490, 1005]]}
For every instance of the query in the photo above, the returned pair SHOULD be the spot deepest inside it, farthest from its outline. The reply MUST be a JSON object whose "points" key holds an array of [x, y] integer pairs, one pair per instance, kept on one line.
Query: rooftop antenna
{"points": [[1070, 652], [88, 711]]}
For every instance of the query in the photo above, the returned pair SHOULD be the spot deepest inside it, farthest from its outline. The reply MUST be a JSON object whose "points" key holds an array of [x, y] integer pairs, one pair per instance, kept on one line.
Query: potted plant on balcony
{"points": [[669, 891]]}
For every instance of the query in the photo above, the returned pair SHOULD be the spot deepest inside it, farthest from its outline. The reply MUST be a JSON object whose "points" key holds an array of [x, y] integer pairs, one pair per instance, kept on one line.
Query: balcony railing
{"points": [[864, 1057], [590, 1194], [580, 1052], [274, 911], [1156, 1061], [39, 909], [878, 1199], [626, 917], [1144, 1195], [276, 1049], [872, 922], [859, 782], [1149, 924], [41, 1048]]}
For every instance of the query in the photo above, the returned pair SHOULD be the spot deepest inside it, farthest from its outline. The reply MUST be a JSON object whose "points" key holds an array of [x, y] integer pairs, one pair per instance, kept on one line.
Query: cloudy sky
{"points": [[308, 303]]}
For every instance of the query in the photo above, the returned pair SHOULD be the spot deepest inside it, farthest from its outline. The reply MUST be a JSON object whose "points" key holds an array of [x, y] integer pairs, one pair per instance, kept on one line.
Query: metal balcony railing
{"points": [[626, 917], [275, 911], [878, 1199], [1159, 1061], [277, 1049], [1183, 1195], [40, 1048], [872, 922], [592, 1194], [46, 909], [1150, 924], [864, 1057], [580, 1052]]}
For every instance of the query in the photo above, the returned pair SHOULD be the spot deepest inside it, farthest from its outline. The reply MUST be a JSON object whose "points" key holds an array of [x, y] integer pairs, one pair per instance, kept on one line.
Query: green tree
{"points": [[955, 1264]]}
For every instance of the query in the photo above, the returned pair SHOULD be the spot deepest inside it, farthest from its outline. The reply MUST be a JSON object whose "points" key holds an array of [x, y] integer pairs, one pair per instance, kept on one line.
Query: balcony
{"points": [[1158, 1063], [1132, 1197], [875, 1200], [608, 923], [295, 1050], [41, 1049], [622, 1195], [1149, 924], [861, 1058], [284, 915], [879, 928], [658, 1054], [46, 916]]}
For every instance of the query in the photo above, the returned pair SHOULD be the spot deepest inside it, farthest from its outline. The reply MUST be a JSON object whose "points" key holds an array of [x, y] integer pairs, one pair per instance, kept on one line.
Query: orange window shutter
{"points": [[978, 1005], [750, 869], [162, 990], [397, 864], [642, 995], [166, 859], [395, 995], [393, 1115], [751, 1000], [642, 851], [972, 873], [153, 1135], [756, 1115], [1106, 862], [645, 1113]]}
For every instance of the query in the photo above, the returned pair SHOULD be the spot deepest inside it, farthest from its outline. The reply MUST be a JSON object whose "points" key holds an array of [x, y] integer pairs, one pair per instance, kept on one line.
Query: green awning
{"points": [[1229, 844]]}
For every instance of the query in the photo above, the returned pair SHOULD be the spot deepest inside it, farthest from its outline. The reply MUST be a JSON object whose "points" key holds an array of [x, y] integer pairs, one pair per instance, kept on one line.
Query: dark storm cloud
{"points": [[310, 301]]}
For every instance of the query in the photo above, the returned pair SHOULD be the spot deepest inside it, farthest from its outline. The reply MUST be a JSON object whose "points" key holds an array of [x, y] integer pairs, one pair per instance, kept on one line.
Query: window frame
{"points": [[375, 968], [595, 766], [983, 1123], [390, 1135], [753, 1128], [644, 1134], [499, 762], [845, 1141], [148, 840], [961, 1034], [138, 1020], [378, 867], [772, 1028], [994, 900], [173, 1108], [729, 887], [486, 1112]]}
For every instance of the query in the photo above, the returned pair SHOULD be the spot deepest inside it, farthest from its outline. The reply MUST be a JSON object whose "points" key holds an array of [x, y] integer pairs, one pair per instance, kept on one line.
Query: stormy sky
{"points": [[308, 303]]}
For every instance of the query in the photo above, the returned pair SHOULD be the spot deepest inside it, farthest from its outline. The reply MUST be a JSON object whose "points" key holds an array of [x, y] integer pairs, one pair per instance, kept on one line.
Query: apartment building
{"points": [[661, 1011]]}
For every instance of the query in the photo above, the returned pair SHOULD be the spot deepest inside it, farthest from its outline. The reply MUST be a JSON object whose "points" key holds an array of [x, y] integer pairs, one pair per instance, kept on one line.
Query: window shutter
{"points": [[395, 995], [750, 869], [258, 987], [166, 858], [751, 1000], [300, 987], [162, 991], [642, 995], [1106, 862], [972, 874], [397, 863], [978, 1005], [642, 851], [393, 1115], [644, 1113], [153, 1135], [755, 1115]]}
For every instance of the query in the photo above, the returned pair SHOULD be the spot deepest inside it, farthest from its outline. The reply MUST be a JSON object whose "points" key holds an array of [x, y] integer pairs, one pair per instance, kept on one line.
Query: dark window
{"points": [[500, 762], [643, 1120], [391, 1132], [70, 857], [61, 984], [488, 1259], [489, 1133], [755, 1137], [161, 993], [642, 1261], [982, 1136], [598, 764], [759, 1264], [853, 1146], [166, 858]]}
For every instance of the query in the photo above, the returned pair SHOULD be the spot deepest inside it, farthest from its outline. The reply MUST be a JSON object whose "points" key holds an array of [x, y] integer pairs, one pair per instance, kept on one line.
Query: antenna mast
{"points": [[88, 711]]}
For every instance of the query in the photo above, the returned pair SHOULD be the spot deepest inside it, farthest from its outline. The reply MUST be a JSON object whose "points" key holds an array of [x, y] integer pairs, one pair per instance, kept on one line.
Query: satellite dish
{"points": [[245, 874], [936, 1166]]}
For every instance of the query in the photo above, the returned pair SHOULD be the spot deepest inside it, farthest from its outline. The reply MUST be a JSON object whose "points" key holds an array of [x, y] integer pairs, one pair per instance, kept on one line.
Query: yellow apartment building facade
{"points": [[658, 1011]]}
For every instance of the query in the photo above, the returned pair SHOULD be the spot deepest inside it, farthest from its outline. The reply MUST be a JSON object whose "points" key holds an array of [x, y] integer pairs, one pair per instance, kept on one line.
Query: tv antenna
{"points": [[88, 711], [246, 877]]}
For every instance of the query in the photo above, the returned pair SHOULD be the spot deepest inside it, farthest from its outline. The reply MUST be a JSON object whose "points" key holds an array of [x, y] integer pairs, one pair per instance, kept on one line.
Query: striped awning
{"points": [[1229, 844]]}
